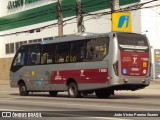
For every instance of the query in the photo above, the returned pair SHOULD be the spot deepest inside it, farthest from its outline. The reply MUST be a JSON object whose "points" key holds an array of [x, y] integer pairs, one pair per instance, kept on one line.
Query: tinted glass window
{"points": [[62, 54], [20, 57], [78, 51], [34, 55], [89, 50], [97, 48], [48, 52], [132, 41]]}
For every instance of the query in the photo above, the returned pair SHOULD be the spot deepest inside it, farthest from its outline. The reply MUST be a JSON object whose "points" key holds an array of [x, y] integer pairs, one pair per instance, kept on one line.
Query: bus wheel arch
{"points": [[72, 88], [22, 88]]}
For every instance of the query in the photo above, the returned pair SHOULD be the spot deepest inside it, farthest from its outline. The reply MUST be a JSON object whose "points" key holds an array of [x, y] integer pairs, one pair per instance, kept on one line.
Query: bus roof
{"points": [[72, 37]]}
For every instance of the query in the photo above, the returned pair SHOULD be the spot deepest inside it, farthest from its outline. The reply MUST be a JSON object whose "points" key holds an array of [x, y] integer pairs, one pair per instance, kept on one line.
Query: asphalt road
{"points": [[86, 108]]}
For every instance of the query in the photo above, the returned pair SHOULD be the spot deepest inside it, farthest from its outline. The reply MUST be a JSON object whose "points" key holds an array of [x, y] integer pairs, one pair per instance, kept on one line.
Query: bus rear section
{"points": [[133, 65]]}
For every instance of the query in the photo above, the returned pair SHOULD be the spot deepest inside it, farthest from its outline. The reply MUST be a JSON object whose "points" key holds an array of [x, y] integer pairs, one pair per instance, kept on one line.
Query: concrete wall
{"points": [[5, 64]]}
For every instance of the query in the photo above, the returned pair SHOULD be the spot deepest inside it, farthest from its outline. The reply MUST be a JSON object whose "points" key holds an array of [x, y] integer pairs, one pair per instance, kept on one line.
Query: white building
{"points": [[24, 21]]}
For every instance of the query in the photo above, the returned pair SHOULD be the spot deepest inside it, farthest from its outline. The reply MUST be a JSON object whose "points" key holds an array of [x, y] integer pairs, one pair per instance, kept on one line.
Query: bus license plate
{"points": [[135, 69]]}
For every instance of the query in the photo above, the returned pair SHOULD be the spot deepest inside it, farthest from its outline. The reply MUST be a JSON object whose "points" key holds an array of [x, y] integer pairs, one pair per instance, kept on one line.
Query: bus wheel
{"points": [[53, 93], [22, 89], [103, 93], [73, 90]]}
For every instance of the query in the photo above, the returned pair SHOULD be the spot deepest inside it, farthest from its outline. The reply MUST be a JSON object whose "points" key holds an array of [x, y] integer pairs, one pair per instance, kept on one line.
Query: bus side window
{"points": [[62, 53], [20, 58], [77, 51], [47, 56], [97, 48], [34, 55]]}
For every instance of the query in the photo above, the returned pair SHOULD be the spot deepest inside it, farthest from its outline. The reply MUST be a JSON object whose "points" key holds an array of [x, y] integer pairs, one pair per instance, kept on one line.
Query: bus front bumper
{"points": [[131, 83]]}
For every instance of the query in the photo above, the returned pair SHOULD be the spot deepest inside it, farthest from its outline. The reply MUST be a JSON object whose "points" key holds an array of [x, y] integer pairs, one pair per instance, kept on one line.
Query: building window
{"points": [[48, 38], [9, 48], [19, 44], [35, 41]]}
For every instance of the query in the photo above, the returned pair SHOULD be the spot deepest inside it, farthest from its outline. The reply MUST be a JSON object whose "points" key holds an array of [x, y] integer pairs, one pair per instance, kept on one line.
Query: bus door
{"points": [[134, 54], [33, 70]]}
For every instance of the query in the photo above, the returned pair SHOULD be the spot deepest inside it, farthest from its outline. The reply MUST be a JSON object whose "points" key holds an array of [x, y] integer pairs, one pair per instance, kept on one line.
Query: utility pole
{"points": [[79, 14], [114, 8], [60, 18], [114, 5]]}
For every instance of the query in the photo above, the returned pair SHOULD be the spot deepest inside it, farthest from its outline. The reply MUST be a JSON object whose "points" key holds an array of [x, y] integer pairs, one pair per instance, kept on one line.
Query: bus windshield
{"points": [[129, 41]]}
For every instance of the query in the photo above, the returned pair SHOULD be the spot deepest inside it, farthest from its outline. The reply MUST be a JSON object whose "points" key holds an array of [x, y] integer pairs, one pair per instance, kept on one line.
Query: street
{"points": [[142, 100]]}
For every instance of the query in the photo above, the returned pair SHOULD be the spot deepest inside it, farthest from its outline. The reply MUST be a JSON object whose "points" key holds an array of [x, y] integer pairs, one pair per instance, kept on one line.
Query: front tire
{"points": [[23, 89], [73, 90]]}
